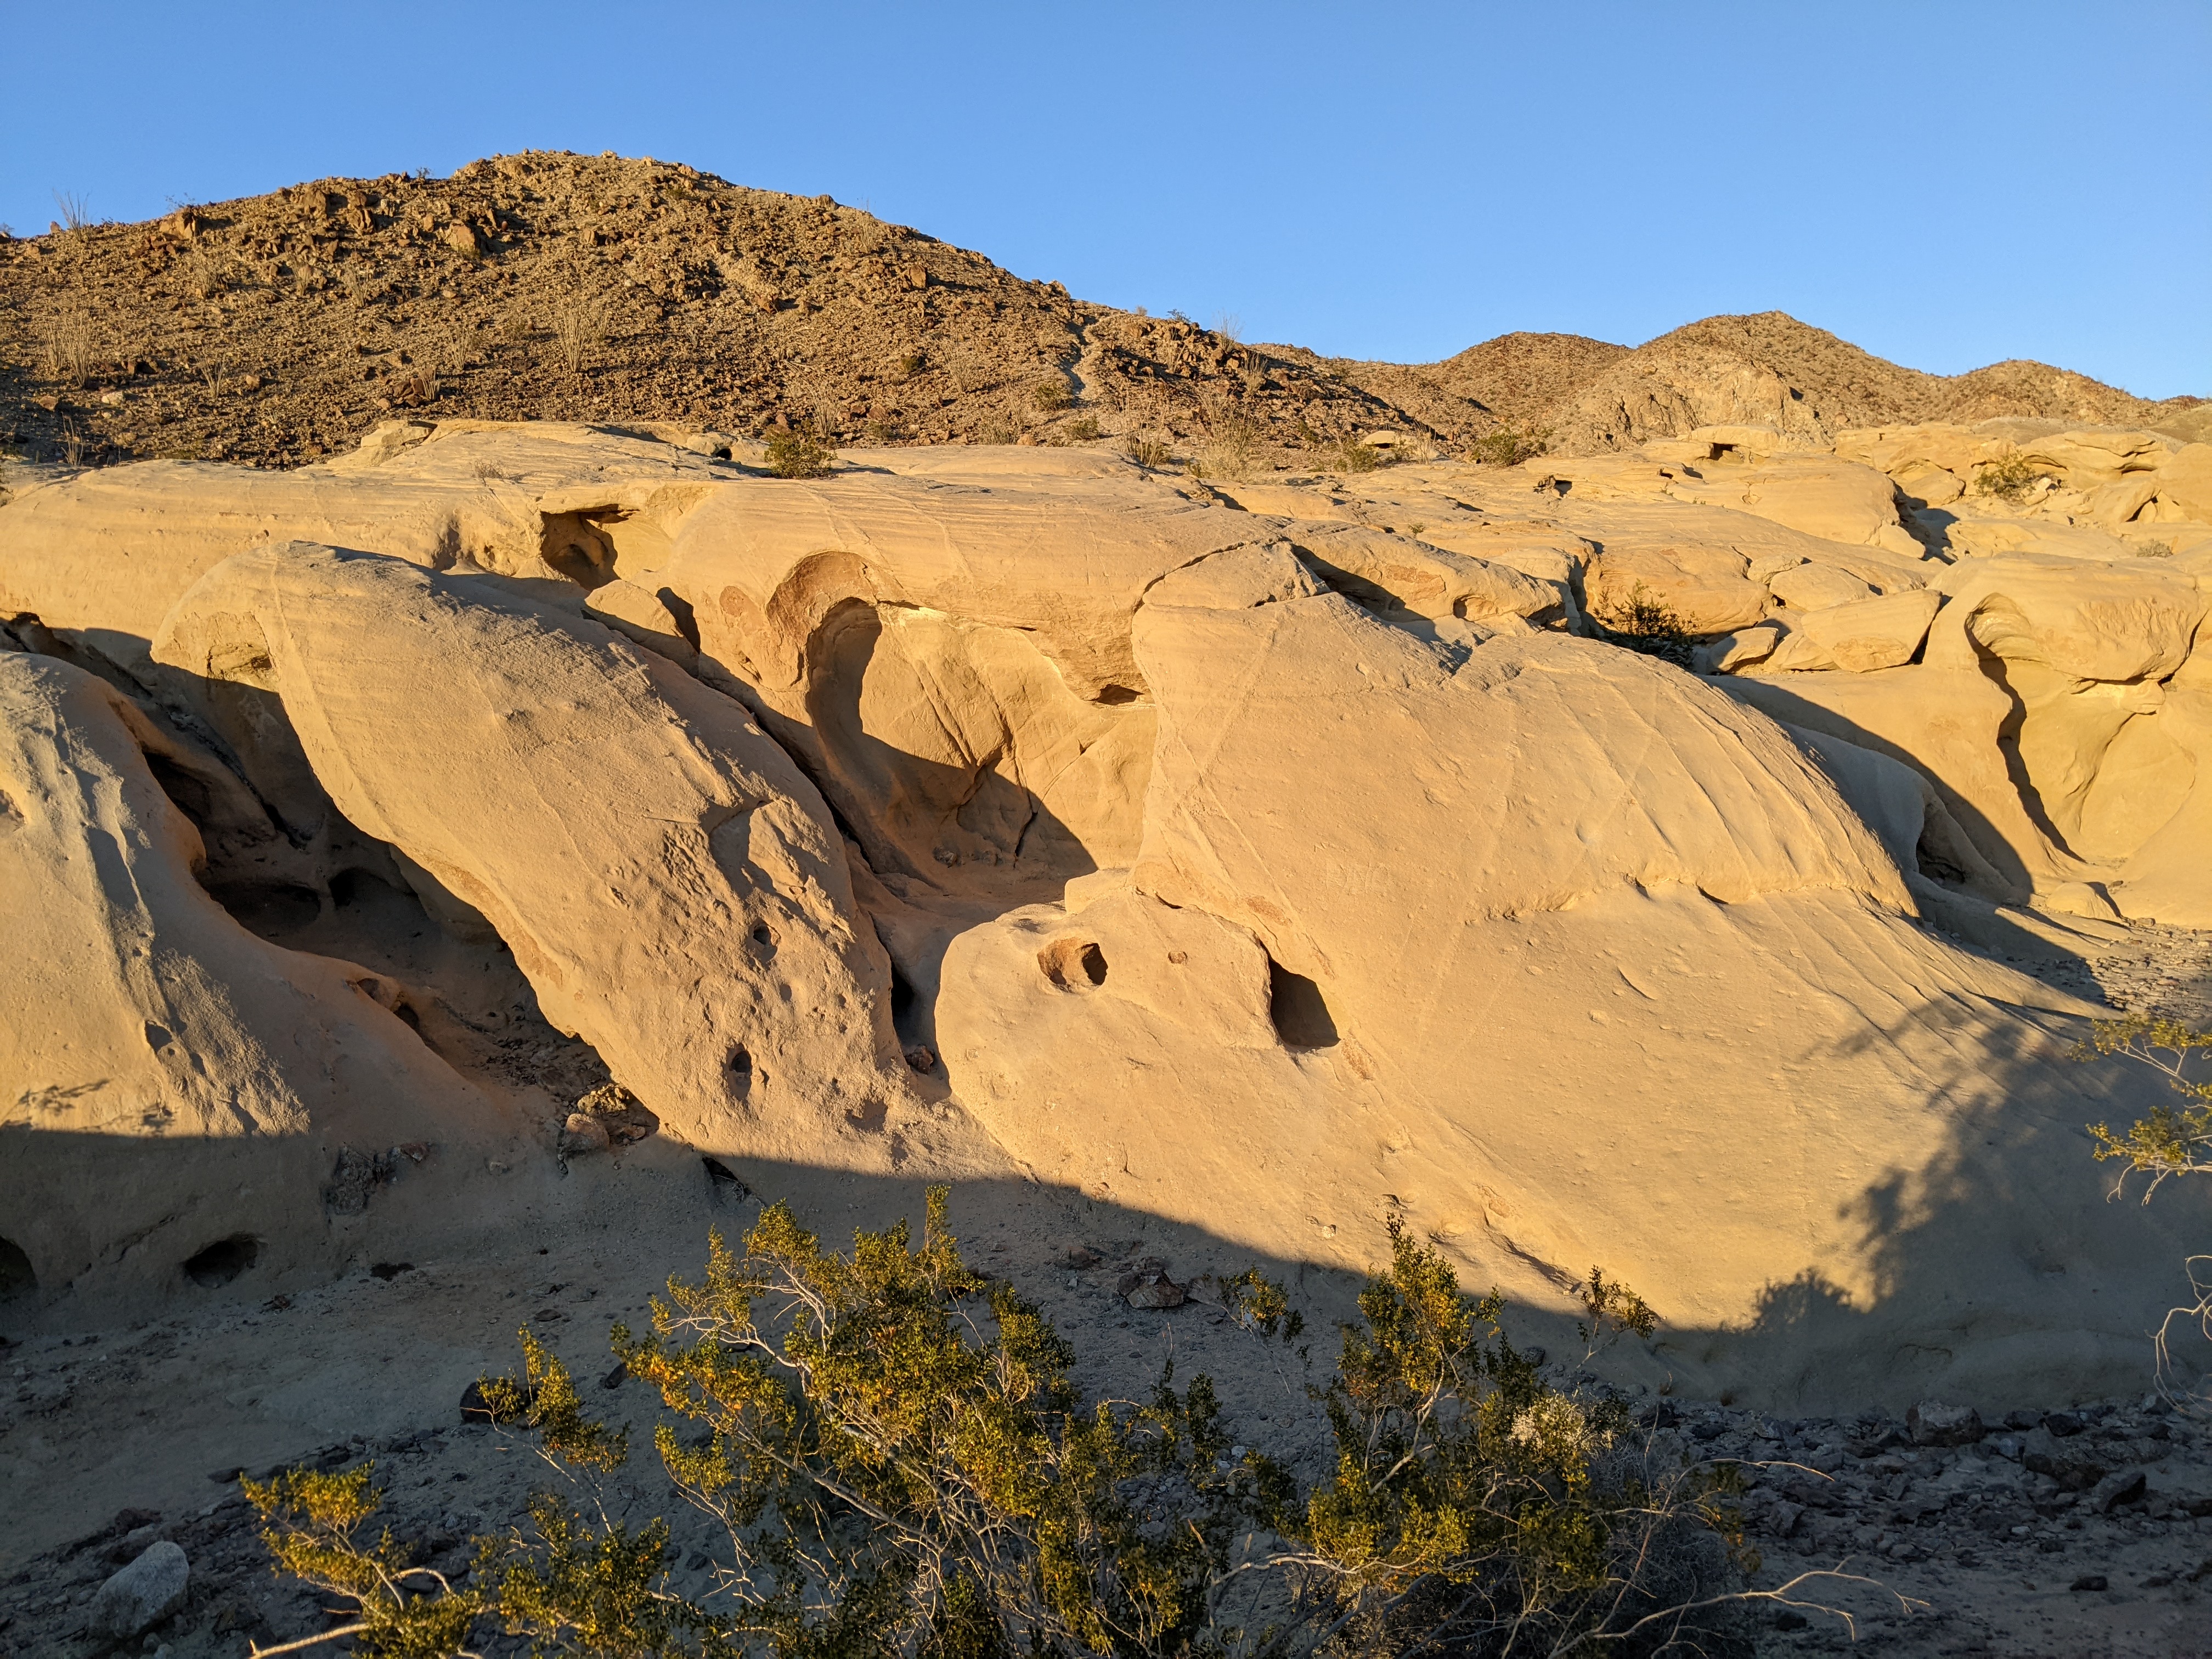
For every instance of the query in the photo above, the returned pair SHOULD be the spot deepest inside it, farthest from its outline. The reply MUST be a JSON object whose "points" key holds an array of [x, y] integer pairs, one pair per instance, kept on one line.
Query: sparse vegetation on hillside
{"points": [[901, 1465]]}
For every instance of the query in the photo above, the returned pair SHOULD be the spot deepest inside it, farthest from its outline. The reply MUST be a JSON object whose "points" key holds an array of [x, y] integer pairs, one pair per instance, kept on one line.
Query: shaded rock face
{"points": [[1287, 858]]}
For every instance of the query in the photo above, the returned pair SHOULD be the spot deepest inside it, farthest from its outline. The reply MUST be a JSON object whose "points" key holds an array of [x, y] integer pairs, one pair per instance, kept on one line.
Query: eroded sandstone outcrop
{"points": [[1283, 856]]}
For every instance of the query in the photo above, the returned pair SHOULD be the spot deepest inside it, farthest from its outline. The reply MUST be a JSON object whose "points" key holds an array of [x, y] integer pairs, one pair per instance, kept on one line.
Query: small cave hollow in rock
{"points": [[1073, 964], [17, 1277], [1299, 1011], [223, 1260]]}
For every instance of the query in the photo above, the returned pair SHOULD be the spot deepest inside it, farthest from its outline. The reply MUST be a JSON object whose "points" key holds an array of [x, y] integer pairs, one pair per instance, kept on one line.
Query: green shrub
{"points": [[799, 453], [1509, 445], [2012, 478], [904, 1469], [1353, 456], [1050, 393], [2170, 1140], [1648, 624], [1081, 429]]}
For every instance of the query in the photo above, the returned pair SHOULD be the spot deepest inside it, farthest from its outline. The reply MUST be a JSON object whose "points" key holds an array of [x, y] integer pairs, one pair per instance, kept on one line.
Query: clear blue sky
{"points": [[1947, 184]]}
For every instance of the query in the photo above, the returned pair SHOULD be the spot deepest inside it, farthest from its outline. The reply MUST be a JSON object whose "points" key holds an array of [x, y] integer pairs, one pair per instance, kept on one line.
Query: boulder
{"points": [[1933, 1425], [1868, 633], [140, 1597], [1703, 588], [1732, 652], [1816, 586]]}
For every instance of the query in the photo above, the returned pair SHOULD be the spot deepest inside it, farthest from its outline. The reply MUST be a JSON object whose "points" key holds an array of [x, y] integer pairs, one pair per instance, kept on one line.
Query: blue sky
{"points": [[1946, 185]]}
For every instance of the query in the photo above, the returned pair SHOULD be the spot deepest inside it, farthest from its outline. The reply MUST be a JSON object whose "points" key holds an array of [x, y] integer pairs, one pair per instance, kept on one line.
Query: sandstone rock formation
{"points": [[1280, 856], [182, 1096]]}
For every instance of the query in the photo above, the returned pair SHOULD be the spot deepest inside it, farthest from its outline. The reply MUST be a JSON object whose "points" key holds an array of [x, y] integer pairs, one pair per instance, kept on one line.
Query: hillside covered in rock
{"points": [[275, 330]]}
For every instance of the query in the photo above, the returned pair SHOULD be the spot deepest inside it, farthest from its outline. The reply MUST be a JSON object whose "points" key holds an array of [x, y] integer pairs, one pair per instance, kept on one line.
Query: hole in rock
{"points": [[902, 997], [1938, 866], [741, 1070], [388, 1271], [16, 1277], [224, 1260], [1114, 696], [574, 546], [1301, 1014], [187, 793], [354, 889], [721, 1177], [1073, 964], [273, 910], [763, 935]]}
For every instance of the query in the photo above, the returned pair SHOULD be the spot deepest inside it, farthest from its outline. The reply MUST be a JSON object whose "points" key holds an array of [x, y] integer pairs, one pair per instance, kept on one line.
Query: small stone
{"points": [[583, 1133], [142, 1595], [1933, 1425], [2121, 1486], [2088, 1581], [919, 1058], [1156, 1292], [1080, 1255]]}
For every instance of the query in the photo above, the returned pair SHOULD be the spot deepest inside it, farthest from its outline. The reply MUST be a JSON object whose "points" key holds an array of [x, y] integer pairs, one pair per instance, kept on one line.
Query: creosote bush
{"points": [[1509, 445], [1050, 393], [901, 1468], [1354, 456], [798, 453], [2013, 479], [1648, 624], [2171, 1140]]}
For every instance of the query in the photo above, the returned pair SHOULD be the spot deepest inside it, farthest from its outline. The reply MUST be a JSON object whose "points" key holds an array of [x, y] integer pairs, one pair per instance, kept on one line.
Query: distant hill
{"points": [[277, 328], [1769, 368]]}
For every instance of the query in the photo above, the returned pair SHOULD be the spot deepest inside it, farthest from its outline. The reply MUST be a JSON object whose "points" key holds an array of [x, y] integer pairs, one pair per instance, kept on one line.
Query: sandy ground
{"points": [[112, 1438]]}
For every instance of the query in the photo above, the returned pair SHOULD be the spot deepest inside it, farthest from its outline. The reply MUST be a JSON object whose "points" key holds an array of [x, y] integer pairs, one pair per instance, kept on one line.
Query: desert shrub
{"points": [[1509, 445], [995, 428], [2154, 550], [1081, 429], [1231, 446], [1354, 456], [799, 453], [577, 326], [1148, 449], [1648, 624], [901, 1466], [1050, 394], [2012, 478], [2168, 1141], [65, 344], [2172, 1141]]}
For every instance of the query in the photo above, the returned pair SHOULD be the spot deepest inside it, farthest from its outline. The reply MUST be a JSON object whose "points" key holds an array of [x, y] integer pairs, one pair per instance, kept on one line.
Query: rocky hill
{"points": [[275, 329]]}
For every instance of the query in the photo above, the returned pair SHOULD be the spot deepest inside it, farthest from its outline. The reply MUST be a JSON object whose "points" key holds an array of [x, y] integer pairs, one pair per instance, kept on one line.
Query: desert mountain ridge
{"points": [[273, 330]]}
